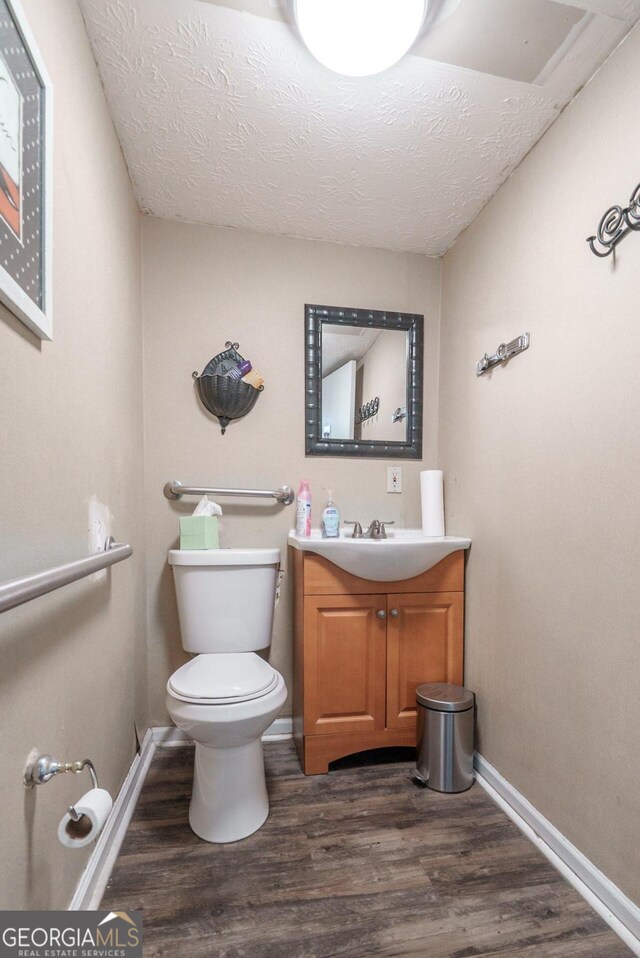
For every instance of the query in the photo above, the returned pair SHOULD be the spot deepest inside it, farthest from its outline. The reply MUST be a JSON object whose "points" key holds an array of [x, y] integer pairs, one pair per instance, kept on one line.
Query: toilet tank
{"points": [[225, 598]]}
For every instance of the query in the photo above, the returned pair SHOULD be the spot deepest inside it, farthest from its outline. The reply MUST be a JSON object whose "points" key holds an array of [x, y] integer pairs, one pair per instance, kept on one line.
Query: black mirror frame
{"points": [[413, 323]]}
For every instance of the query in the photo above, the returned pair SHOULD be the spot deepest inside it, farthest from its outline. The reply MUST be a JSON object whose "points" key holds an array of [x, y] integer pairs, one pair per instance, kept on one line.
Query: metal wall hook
{"points": [[503, 353], [616, 223], [40, 769], [369, 410]]}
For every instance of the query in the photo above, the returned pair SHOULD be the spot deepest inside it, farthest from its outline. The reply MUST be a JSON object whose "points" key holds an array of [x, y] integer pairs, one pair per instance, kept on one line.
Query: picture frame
{"points": [[26, 174]]}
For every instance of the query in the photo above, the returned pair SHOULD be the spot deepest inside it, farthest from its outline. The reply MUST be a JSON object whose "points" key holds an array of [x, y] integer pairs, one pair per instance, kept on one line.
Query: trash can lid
{"points": [[444, 697]]}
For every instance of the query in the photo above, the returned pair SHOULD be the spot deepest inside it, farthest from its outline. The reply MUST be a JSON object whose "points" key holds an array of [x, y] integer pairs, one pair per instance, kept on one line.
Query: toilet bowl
{"points": [[226, 696], [229, 799]]}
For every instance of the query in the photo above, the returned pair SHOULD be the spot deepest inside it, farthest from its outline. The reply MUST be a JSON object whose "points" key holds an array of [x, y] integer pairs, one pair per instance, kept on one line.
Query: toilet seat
{"points": [[222, 679]]}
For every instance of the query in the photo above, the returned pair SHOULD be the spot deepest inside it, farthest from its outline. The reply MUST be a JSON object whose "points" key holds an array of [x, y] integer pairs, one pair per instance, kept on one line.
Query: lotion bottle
{"points": [[303, 509], [330, 519]]}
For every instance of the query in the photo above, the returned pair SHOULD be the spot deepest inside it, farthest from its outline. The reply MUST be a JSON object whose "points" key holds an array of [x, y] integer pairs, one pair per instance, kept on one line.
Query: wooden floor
{"points": [[354, 864]]}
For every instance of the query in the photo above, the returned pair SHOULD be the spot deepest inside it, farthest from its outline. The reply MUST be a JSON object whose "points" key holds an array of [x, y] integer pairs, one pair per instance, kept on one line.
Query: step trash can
{"points": [[444, 753]]}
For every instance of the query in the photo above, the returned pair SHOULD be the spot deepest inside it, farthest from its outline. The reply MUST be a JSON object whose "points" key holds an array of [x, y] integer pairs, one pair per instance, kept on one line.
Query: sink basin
{"points": [[402, 555]]}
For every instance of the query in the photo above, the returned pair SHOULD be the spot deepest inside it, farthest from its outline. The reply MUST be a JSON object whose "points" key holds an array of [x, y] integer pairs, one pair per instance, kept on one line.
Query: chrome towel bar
{"points": [[18, 591], [175, 490]]}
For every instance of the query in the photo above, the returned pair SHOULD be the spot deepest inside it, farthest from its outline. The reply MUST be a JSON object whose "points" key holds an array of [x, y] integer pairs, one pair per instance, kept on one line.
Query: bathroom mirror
{"points": [[363, 386]]}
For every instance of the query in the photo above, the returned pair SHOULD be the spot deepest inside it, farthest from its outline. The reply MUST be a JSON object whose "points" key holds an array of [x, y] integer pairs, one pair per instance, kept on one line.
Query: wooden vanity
{"points": [[362, 647]]}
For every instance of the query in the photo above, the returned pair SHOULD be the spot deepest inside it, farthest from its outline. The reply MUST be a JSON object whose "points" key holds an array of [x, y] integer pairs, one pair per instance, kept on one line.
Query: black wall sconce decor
{"points": [[227, 386], [615, 224]]}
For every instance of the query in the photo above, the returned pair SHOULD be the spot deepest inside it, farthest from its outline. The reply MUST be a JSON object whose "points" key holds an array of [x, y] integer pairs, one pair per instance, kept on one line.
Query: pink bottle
{"points": [[303, 509]]}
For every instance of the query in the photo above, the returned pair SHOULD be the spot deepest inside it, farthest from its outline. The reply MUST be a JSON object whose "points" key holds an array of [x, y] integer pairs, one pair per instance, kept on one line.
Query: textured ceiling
{"points": [[342, 343], [225, 118]]}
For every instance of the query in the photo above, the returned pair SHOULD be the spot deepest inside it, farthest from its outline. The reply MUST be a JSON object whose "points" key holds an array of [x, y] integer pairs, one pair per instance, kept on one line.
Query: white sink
{"points": [[402, 555]]}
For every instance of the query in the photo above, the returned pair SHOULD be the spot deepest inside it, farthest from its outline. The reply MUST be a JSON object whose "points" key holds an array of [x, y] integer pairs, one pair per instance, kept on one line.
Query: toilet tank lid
{"points": [[222, 557]]}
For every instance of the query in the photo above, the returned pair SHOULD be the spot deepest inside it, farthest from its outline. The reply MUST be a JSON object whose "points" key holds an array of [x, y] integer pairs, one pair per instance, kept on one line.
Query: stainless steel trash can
{"points": [[444, 758]]}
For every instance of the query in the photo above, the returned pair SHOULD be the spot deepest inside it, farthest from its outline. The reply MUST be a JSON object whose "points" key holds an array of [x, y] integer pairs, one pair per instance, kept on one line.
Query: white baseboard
{"points": [[169, 736], [279, 731], [94, 878], [620, 913]]}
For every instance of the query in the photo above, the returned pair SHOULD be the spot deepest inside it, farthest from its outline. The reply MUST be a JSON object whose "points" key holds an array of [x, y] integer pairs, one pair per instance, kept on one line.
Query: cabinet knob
{"points": [[394, 613], [382, 614]]}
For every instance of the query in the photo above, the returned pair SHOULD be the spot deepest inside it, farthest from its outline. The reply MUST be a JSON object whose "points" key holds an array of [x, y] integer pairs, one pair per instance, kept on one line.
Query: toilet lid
{"points": [[223, 678]]}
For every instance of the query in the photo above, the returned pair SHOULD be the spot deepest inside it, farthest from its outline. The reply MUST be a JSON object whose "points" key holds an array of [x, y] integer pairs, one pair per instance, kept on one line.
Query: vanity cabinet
{"points": [[362, 647]]}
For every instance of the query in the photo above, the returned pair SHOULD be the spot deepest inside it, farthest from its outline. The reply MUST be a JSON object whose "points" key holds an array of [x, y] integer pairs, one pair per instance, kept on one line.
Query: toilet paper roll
{"points": [[93, 808], [432, 495]]}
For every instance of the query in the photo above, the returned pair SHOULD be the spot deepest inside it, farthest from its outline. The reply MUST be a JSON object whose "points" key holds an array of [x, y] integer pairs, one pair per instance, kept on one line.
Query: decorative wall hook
{"points": [[369, 410], [503, 353], [615, 225]]}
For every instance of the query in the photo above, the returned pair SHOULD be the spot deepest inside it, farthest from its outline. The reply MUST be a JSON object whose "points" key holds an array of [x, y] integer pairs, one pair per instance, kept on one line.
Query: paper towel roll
{"points": [[432, 495], [93, 808]]}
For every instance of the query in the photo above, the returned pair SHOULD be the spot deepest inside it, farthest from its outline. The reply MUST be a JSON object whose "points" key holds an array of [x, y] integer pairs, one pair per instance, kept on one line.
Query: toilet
{"points": [[226, 696]]}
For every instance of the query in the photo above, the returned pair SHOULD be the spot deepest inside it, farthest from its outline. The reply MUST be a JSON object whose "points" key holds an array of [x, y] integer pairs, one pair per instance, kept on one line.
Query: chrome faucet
{"points": [[376, 530], [357, 529]]}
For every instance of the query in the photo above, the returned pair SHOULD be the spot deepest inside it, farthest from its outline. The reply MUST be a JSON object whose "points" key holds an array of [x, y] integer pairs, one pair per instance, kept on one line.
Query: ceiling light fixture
{"points": [[359, 37]]}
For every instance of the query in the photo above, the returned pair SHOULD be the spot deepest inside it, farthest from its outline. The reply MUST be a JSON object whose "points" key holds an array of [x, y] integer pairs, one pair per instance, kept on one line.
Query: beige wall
{"points": [[542, 468], [70, 428], [203, 286]]}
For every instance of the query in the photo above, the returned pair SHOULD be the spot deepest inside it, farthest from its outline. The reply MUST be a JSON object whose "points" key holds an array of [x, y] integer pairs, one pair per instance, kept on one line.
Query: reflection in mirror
{"points": [[364, 383]]}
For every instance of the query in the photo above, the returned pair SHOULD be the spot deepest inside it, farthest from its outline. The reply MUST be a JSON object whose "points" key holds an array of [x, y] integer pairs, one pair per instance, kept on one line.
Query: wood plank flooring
{"points": [[353, 864]]}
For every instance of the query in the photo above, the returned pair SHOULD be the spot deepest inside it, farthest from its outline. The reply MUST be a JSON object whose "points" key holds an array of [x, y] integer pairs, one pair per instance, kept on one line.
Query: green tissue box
{"points": [[199, 532]]}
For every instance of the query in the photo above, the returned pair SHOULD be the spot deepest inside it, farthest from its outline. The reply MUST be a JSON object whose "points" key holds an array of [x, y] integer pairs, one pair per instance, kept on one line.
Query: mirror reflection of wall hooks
{"points": [[399, 414], [369, 410], [503, 353], [615, 224]]}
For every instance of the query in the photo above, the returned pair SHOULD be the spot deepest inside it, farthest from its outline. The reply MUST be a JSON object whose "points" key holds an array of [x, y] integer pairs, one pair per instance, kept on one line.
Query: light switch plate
{"points": [[394, 479]]}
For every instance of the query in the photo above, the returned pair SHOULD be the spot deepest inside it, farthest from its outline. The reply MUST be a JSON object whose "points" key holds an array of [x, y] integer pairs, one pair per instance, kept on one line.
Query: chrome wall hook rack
{"points": [[503, 354], [615, 224]]}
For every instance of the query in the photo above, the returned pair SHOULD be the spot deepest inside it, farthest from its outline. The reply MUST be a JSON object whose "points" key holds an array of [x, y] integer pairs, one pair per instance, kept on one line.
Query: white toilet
{"points": [[226, 696]]}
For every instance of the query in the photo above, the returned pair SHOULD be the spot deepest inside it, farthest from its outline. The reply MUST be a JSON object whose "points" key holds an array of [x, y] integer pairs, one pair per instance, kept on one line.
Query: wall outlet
{"points": [[394, 479]]}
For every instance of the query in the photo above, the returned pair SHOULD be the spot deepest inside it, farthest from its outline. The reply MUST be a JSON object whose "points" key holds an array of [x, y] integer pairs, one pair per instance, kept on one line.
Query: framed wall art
{"points": [[26, 137]]}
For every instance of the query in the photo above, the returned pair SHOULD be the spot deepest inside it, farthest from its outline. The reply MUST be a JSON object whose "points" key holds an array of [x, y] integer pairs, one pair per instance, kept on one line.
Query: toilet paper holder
{"points": [[40, 769]]}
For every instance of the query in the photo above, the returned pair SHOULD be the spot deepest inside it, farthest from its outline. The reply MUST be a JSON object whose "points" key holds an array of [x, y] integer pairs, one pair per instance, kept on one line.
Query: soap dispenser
{"points": [[330, 519]]}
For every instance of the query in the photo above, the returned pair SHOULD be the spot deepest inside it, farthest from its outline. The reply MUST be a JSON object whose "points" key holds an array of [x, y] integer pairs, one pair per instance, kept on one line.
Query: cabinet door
{"points": [[424, 644], [344, 663]]}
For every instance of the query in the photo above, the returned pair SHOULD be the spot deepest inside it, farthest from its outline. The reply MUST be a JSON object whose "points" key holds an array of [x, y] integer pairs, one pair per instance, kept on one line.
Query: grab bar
{"points": [[175, 490], [18, 591]]}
